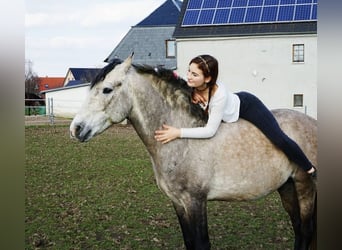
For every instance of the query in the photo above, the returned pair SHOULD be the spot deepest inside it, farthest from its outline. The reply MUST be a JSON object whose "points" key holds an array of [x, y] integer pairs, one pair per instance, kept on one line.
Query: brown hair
{"points": [[209, 67]]}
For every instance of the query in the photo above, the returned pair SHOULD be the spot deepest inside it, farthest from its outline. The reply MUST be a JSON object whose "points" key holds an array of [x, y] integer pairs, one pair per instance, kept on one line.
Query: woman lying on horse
{"points": [[222, 105]]}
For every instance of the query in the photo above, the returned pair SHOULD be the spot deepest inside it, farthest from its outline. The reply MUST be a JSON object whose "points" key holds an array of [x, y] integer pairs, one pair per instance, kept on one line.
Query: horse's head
{"points": [[108, 102]]}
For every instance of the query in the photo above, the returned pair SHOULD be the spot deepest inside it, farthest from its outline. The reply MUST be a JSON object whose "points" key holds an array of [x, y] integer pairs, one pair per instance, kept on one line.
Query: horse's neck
{"points": [[151, 110]]}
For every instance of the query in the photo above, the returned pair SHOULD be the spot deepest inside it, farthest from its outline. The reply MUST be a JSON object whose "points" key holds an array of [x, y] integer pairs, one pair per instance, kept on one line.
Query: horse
{"points": [[238, 164]]}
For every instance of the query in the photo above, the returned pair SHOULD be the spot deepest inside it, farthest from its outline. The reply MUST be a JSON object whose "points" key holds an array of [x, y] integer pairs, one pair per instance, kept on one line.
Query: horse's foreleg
{"points": [[185, 226], [193, 222]]}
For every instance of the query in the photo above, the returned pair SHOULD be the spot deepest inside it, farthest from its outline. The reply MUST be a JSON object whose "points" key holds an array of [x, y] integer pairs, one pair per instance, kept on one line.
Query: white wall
{"points": [[67, 101], [260, 65]]}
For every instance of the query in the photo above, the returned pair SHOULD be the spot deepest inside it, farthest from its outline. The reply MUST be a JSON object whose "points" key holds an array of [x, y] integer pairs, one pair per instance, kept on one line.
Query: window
{"points": [[170, 48], [298, 100], [298, 53]]}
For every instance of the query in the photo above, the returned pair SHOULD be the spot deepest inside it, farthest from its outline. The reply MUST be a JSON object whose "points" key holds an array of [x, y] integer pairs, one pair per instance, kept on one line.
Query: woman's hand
{"points": [[167, 134], [197, 98]]}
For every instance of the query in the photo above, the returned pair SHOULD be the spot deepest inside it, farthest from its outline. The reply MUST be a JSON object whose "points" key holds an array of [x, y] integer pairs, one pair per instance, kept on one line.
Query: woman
{"points": [[222, 105]]}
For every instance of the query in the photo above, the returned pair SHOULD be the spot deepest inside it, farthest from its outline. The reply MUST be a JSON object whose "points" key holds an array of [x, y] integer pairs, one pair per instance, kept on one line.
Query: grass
{"points": [[102, 195]]}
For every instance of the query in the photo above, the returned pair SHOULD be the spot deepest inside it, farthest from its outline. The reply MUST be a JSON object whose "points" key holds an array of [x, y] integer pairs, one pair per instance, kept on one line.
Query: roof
{"points": [[64, 88], [74, 83], [46, 83], [166, 14], [84, 74], [226, 29], [151, 50], [148, 38]]}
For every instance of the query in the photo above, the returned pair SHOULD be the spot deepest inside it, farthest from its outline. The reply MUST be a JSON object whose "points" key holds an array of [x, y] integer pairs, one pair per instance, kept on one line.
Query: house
{"points": [[151, 39], [66, 101], [267, 47], [76, 76]]}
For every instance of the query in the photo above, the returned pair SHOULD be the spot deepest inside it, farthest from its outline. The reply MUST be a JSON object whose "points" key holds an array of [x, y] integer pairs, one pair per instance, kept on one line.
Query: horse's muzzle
{"points": [[80, 132]]}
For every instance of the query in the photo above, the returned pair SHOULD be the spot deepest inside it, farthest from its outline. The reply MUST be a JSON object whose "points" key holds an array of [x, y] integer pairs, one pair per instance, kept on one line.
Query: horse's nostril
{"points": [[77, 130]]}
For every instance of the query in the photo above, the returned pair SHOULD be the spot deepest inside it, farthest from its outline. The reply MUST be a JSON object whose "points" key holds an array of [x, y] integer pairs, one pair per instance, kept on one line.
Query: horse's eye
{"points": [[107, 90]]}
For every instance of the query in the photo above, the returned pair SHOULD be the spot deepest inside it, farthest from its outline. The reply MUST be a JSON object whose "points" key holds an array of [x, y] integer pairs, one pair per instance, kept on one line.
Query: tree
{"points": [[31, 79]]}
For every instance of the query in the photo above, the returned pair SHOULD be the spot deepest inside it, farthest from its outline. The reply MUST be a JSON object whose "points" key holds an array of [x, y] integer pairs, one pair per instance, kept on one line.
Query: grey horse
{"points": [[238, 164]]}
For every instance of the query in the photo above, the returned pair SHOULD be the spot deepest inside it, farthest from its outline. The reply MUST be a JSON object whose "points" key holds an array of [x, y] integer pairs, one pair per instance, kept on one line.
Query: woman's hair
{"points": [[209, 67]]}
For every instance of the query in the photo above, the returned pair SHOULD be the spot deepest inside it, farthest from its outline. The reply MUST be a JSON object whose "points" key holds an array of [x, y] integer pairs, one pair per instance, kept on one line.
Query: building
{"points": [[76, 76], [151, 39], [66, 101], [267, 47]]}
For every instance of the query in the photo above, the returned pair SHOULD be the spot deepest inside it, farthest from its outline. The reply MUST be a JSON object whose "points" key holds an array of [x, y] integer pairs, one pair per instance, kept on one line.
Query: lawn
{"points": [[102, 195]]}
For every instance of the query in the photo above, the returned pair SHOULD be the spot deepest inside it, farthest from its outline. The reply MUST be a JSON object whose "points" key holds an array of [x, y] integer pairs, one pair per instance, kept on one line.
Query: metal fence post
{"points": [[50, 111]]}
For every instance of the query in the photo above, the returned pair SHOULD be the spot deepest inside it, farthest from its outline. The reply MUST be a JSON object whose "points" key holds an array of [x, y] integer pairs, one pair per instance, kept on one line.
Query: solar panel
{"points": [[285, 13], [210, 4], [269, 14], [240, 3], [221, 16], [227, 12], [253, 14], [206, 16]]}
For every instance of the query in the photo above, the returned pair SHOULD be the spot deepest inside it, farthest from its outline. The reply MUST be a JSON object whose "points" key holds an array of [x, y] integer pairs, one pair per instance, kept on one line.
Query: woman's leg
{"points": [[254, 111]]}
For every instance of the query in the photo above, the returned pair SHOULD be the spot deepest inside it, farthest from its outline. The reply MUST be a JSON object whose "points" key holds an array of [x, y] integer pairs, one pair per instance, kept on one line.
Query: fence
{"points": [[39, 107]]}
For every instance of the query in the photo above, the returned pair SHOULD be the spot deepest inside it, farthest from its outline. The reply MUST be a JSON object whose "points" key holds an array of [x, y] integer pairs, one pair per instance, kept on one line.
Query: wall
{"points": [[261, 65], [67, 101]]}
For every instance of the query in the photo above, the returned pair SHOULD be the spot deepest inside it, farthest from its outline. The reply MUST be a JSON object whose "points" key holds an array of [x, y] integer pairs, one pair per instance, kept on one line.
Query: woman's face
{"points": [[195, 76]]}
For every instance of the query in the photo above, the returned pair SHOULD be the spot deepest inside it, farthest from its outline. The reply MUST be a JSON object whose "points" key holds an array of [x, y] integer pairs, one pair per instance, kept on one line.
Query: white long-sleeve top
{"points": [[223, 106]]}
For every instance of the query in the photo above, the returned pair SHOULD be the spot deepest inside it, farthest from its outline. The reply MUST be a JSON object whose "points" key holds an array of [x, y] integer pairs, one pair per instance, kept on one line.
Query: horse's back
{"points": [[241, 163], [301, 128], [298, 126]]}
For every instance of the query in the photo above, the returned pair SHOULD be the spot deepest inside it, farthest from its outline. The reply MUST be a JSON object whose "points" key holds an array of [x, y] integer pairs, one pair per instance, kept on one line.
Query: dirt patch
{"points": [[33, 120]]}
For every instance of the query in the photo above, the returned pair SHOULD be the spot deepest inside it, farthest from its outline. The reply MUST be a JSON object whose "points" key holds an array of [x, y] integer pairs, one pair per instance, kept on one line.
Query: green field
{"points": [[102, 195]]}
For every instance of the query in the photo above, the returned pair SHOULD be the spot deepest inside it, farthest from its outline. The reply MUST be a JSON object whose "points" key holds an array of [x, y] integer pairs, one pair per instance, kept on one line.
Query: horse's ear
{"points": [[128, 62]]}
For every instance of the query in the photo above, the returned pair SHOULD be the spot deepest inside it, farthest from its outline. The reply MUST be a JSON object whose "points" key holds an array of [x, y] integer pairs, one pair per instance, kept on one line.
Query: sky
{"points": [[67, 34]]}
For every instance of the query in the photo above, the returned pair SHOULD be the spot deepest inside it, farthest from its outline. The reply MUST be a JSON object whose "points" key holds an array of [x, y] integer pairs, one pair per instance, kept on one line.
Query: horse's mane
{"points": [[104, 71], [175, 85]]}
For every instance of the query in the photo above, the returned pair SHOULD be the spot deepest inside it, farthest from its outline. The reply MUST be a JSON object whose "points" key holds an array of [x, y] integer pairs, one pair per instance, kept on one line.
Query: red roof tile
{"points": [[46, 83]]}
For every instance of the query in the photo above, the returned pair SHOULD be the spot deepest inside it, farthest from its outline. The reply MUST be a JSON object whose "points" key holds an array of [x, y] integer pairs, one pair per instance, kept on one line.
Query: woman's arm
{"points": [[216, 110]]}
